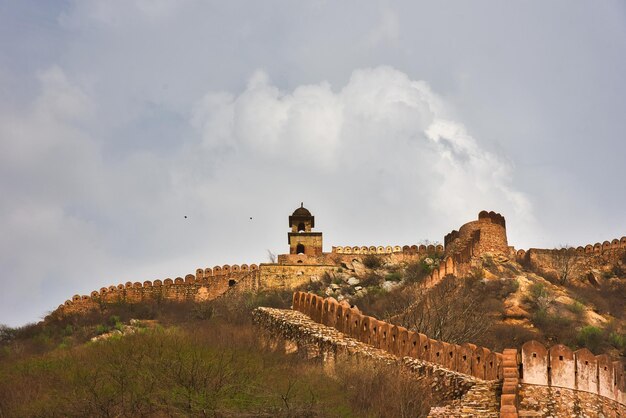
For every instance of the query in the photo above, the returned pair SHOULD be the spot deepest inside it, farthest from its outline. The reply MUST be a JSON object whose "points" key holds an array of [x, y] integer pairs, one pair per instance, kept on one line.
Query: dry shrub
{"points": [[608, 298], [214, 370], [372, 261], [384, 391]]}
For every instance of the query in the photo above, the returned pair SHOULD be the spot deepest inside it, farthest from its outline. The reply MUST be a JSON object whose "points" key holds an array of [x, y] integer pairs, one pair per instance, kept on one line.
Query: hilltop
{"points": [[127, 339]]}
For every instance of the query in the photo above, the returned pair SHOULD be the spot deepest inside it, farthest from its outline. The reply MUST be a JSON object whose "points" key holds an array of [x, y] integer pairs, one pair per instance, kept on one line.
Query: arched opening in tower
{"points": [[300, 249], [301, 227]]}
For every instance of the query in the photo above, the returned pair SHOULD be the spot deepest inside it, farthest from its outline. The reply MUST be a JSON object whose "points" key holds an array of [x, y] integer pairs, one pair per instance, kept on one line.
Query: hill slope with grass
{"points": [[166, 358]]}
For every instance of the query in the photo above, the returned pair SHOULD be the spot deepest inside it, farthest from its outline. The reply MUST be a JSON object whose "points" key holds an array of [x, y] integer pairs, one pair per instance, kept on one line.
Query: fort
{"points": [[530, 380]]}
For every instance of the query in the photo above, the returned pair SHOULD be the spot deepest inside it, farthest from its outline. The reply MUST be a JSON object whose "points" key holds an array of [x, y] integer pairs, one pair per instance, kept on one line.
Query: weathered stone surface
{"points": [[546, 401], [199, 288]]}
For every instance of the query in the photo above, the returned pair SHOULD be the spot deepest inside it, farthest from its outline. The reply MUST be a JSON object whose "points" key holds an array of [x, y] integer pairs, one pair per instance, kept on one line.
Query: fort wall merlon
{"points": [[206, 284], [579, 370]]}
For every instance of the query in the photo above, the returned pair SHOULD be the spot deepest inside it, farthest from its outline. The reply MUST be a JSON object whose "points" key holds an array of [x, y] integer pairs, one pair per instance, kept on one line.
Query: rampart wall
{"points": [[579, 370], [597, 384], [578, 262], [291, 276], [206, 284], [406, 249], [607, 247], [556, 381], [468, 359], [295, 332], [340, 254]]}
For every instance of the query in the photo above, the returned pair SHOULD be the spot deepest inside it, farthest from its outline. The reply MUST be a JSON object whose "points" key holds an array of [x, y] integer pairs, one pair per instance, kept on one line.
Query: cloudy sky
{"points": [[394, 123]]}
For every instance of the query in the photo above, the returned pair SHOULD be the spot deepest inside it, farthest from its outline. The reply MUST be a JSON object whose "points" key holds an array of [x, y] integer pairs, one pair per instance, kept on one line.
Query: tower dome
{"points": [[301, 211], [301, 220]]}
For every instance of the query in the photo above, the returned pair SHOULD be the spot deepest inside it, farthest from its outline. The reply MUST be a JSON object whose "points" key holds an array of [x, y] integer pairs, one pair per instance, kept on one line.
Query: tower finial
{"points": [[301, 204]]}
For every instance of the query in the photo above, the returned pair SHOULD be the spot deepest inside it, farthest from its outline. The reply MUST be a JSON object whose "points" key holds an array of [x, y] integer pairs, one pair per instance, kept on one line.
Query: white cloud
{"points": [[381, 119]]}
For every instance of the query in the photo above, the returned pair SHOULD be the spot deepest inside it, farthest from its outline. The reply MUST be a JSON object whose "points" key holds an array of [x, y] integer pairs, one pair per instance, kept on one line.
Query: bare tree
{"points": [[271, 256], [564, 261], [449, 312]]}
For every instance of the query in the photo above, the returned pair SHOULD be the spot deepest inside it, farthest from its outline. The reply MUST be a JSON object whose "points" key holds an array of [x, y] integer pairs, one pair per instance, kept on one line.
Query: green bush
{"points": [[394, 277], [114, 320], [617, 340], [68, 330], [576, 307], [590, 337], [540, 317], [538, 290], [102, 329]]}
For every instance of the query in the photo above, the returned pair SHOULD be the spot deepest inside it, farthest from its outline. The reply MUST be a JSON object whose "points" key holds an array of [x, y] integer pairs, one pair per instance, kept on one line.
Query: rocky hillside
{"points": [[502, 303]]}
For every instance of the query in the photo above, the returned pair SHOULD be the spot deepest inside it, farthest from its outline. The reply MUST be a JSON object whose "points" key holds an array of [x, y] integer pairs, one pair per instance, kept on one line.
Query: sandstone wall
{"points": [[577, 370], [291, 276], [487, 234], [206, 284], [396, 254], [546, 401], [469, 359], [584, 259], [292, 331], [312, 242], [601, 377], [412, 249]]}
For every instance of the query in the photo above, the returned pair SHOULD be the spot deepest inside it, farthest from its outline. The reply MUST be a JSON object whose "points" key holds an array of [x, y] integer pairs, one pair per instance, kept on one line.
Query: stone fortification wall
{"points": [[541, 382], [291, 276], [608, 251], [583, 259], [339, 254], [600, 378], [406, 249], [576, 370], [547, 401], [468, 359], [612, 247], [206, 284], [487, 234], [293, 331]]}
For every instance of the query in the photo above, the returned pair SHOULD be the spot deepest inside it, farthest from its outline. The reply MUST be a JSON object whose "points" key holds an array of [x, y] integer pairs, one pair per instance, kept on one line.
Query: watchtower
{"points": [[301, 239]]}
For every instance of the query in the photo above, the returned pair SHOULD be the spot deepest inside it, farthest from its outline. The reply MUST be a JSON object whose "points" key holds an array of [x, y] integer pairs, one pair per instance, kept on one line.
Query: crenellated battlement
{"points": [[532, 365], [206, 284], [589, 249], [469, 359], [405, 249]]}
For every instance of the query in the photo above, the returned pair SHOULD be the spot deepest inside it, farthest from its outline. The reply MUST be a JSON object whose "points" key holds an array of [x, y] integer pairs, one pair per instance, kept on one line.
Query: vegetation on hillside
{"points": [[161, 358], [501, 304], [184, 359]]}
